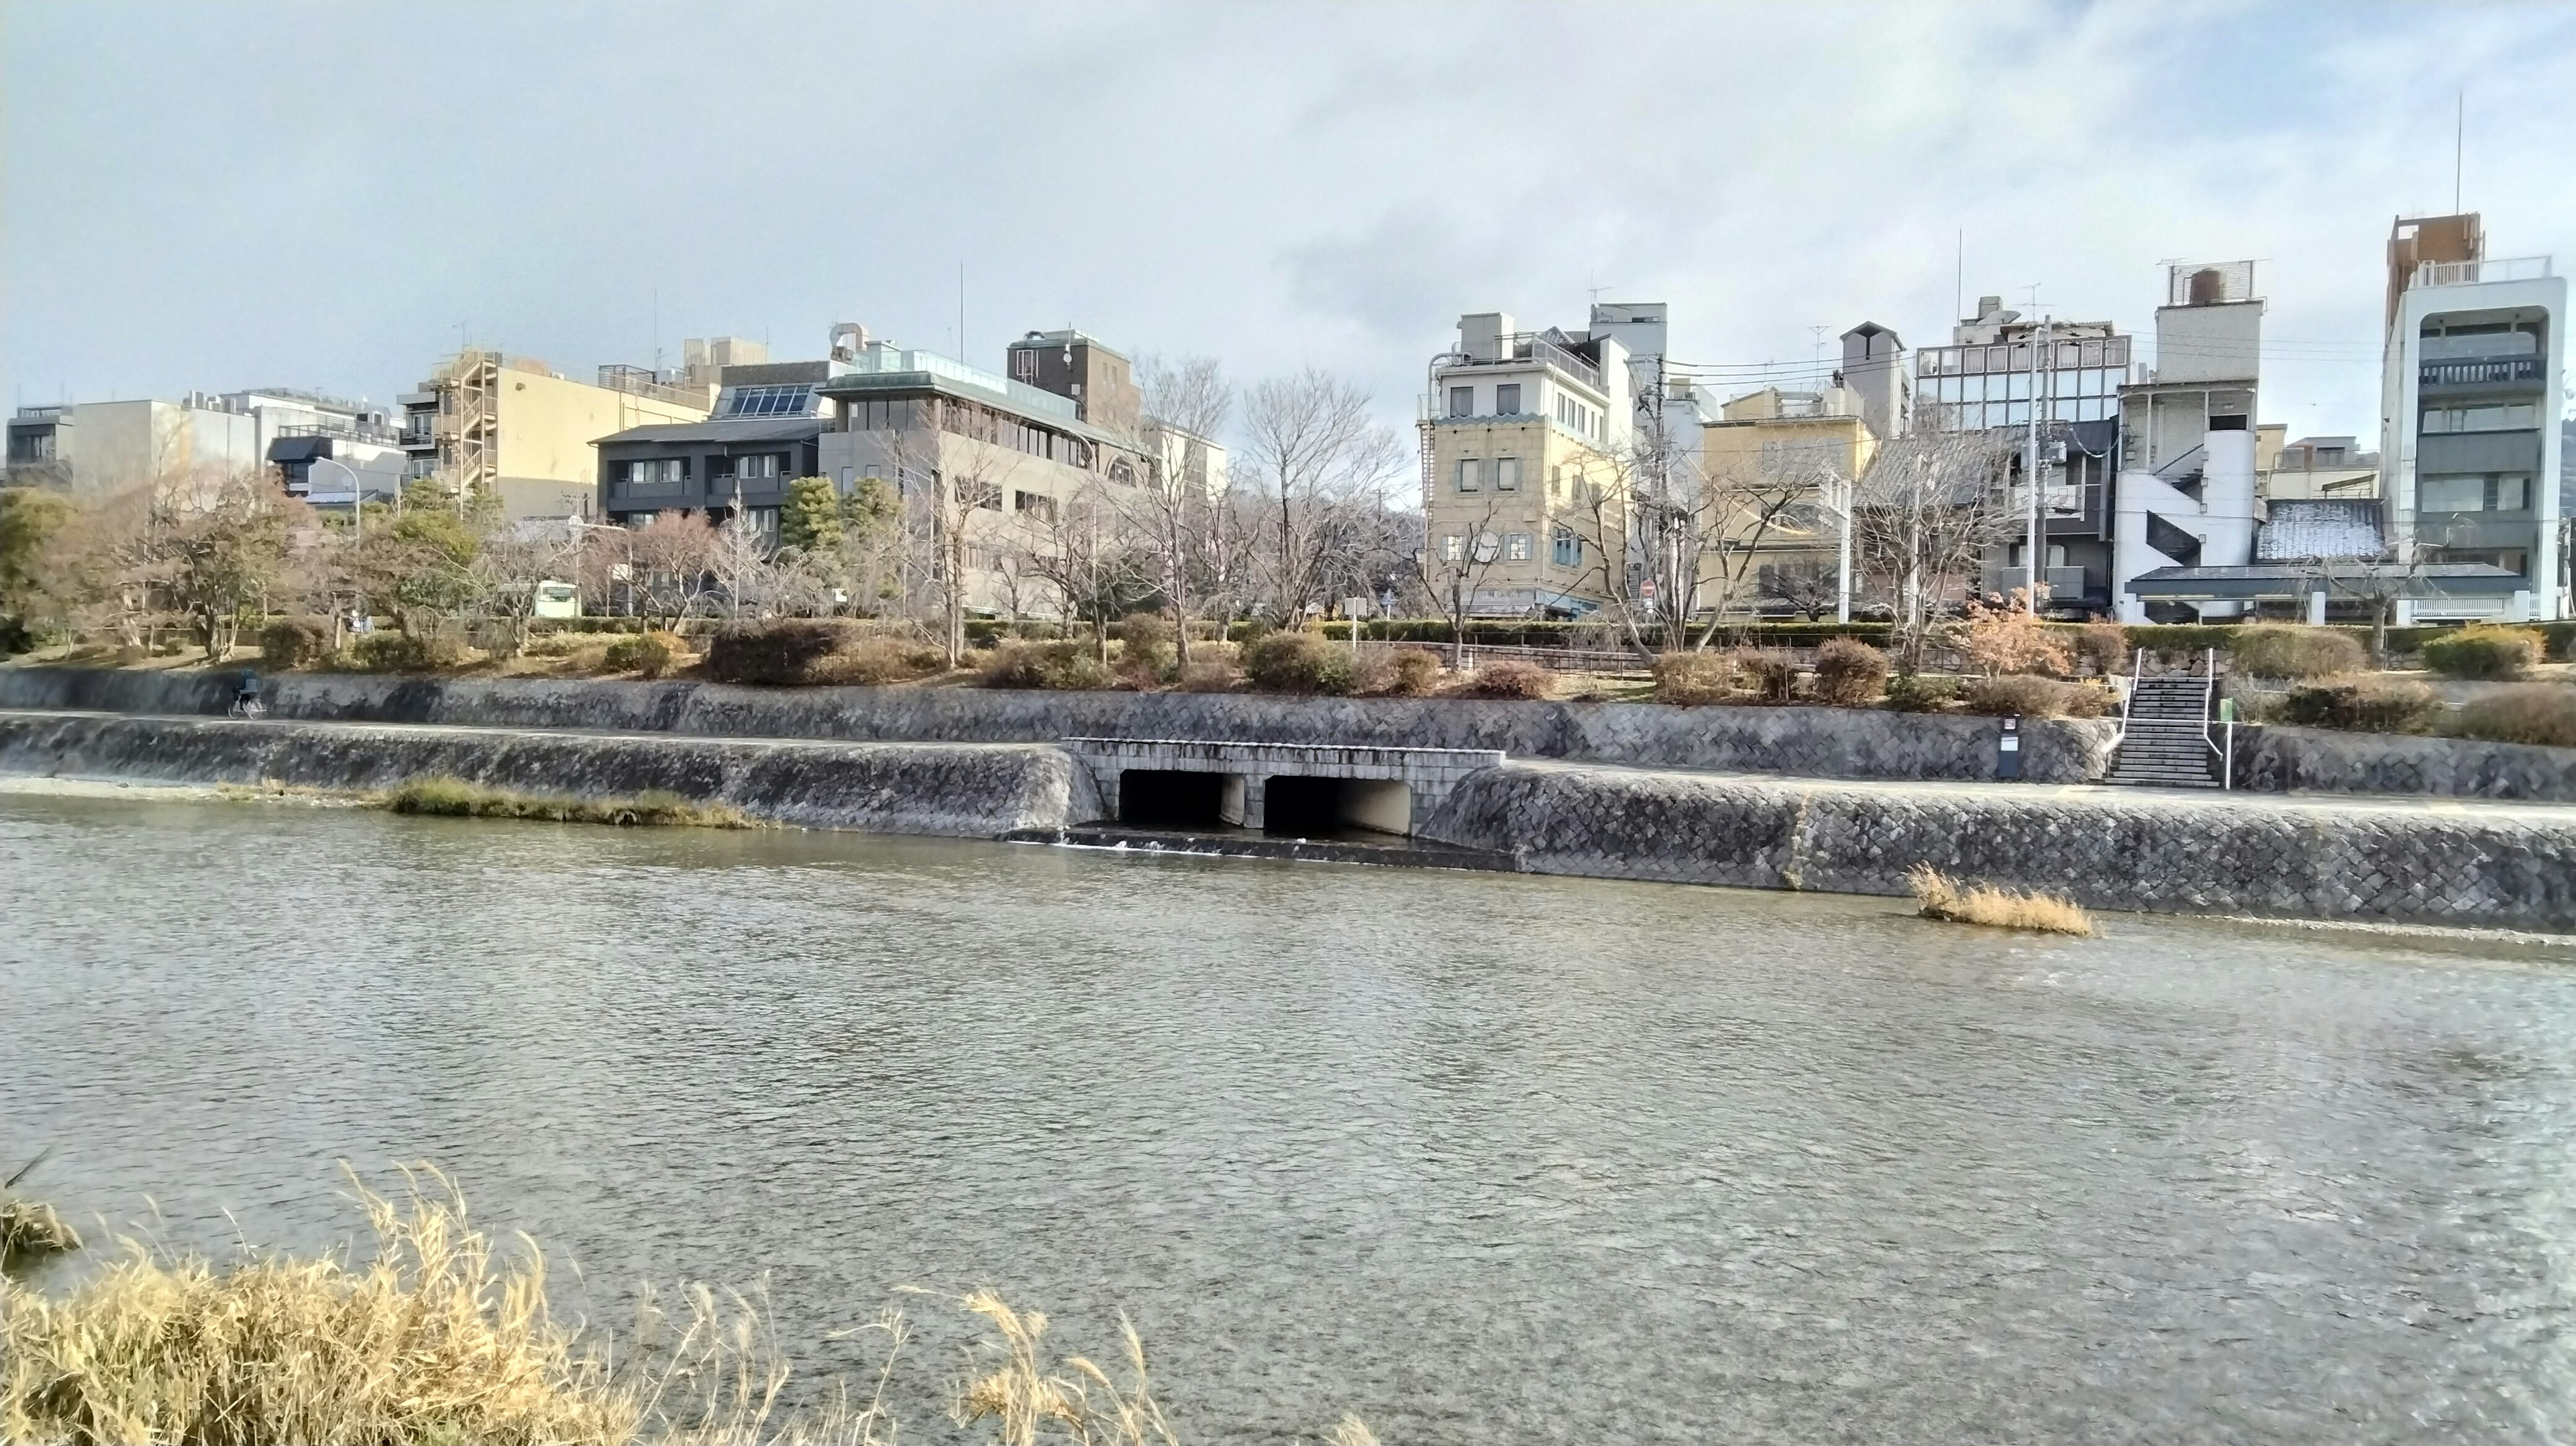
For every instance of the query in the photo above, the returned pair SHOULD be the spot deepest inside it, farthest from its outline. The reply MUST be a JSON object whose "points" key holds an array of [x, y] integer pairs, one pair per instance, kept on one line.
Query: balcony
{"points": [[1527, 347], [2477, 273], [2504, 372], [377, 433]]}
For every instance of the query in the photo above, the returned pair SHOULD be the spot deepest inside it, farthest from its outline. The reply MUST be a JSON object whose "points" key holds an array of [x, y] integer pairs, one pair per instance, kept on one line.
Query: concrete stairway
{"points": [[2166, 745]]}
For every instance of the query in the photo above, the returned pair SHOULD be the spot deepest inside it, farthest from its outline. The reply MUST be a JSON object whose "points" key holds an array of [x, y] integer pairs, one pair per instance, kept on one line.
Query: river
{"points": [[1481, 1157]]}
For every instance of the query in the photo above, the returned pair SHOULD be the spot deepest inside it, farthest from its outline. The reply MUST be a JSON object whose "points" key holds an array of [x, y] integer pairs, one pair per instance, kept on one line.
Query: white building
{"points": [[2188, 499], [2470, 446], [108, 446]]}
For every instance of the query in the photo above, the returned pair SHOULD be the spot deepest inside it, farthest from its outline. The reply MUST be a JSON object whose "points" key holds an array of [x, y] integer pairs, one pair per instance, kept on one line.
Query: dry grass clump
{"points": [[455, 798], [437, 1336], [1211, 671], [2364, 705], [875, 662], [1941, 897], [2543, 713], [29, 1228], [1063, 667], [1508, 678], [2032, 696], [1400, 673], [1849, 673], [2486, 651], [1773, 673], [2283, 650], [650, 655]]}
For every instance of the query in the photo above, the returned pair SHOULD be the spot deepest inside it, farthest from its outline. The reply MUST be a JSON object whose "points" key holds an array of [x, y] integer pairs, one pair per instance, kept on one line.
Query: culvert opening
{"points": [[1161, 799], [1305, 807]]}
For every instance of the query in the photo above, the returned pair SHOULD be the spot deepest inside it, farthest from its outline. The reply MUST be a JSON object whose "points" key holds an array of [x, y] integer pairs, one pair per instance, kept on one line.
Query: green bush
{"points": [[1060, 667], [540, 627], [295, 642], [775, 651], [1509, 678], [1297, 663], [1145, 646], [1917, 693], [2543, 713], [404, 653], [2484, 652], [2279, 650], [1774, 675], [2364, 705], [1849, 673], [2104, 645], [654, 654], [1694, 678], [2033, 696]]}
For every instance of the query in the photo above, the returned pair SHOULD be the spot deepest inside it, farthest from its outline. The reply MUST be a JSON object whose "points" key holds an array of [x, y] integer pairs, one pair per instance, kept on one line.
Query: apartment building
{"points": [[511, 427], [2471, 450], [765, 433], [1529, 463], [2318, 468], [1790, 458], [2187, 494], [186, 447]]}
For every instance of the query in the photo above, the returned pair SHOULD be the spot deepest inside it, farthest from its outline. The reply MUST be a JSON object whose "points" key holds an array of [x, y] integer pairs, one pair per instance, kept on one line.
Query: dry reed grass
{"points": [[439, 1336], [1942, 897], [28, 1227], [455, 798]]}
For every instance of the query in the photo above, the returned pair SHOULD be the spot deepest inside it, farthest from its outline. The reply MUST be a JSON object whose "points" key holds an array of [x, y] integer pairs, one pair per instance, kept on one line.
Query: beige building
{"points": [[511, 427], [1780, 458], [2319, 467], [1526, 437]]}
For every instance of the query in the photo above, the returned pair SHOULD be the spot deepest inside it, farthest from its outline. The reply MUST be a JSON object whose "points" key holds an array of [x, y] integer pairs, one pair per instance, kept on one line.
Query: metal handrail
{"points": [[2208, 691]]}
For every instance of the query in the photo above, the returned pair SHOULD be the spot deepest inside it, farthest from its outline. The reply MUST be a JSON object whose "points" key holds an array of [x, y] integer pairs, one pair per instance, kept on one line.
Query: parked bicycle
{"points": [[246, 700]]}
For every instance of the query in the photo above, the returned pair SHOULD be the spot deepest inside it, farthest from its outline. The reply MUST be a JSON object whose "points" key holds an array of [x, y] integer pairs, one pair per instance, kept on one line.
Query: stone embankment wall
{"points": [[961, 790], [2112, 849], [1815, 742], [2278, 759]]}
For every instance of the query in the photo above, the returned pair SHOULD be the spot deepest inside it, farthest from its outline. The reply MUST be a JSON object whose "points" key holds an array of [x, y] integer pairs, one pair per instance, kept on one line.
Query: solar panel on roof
{"points": [[771, 401]]}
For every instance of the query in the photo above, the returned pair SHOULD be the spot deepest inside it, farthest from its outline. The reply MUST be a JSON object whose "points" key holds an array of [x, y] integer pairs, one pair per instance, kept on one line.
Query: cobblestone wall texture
{"points": [[970, 791], [2316, 760], [1814, 742], [2107, 849]]}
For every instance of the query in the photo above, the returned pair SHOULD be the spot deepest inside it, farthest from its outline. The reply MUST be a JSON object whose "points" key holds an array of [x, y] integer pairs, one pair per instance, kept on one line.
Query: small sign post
{"points": [[2008, 749]]}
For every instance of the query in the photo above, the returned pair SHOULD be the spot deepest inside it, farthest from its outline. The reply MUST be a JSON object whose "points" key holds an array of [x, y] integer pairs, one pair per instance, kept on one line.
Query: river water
{"points": [[1480, 1157]]}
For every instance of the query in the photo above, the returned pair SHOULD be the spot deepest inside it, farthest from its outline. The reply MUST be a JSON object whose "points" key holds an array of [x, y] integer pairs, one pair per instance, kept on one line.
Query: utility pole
{"points": [[2030, 467]]}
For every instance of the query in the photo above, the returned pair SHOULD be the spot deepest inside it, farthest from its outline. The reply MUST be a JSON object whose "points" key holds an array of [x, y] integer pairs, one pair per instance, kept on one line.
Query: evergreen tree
{"points": [[810, 519]]}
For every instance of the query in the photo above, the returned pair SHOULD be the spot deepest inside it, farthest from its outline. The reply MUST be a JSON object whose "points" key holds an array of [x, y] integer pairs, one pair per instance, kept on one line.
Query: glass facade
{"points": [[1966, 388]]}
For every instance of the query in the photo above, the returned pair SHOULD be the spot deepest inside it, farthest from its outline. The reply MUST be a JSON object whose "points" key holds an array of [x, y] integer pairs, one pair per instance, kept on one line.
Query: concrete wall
{"points": [[1817, 742], [2116, 850], [956, 790]]}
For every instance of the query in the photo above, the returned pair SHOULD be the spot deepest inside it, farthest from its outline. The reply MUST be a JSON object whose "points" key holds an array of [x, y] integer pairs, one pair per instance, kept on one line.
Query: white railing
{"points": [[2471, 273]]}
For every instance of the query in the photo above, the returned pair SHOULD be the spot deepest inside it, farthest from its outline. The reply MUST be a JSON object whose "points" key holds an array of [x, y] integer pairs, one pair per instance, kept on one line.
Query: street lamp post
{"points": [[357, 533]]}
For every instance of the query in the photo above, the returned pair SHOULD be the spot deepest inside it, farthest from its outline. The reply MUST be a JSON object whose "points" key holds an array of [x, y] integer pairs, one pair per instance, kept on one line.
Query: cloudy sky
{"points": [[332, 195]]}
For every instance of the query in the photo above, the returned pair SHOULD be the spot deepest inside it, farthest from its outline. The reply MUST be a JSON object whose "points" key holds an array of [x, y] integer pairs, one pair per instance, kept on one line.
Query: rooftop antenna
{"points": [[2459, 144], [1959, 277], [961, 310]]}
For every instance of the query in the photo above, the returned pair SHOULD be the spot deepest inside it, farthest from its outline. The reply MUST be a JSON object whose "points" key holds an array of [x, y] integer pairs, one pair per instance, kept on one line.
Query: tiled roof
{"points": [[2305, 527]]}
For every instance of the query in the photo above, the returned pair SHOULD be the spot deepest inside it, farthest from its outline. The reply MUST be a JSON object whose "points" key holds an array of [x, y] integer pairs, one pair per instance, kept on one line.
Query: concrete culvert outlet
{"points": [[1322, 806], [1161, 799]]}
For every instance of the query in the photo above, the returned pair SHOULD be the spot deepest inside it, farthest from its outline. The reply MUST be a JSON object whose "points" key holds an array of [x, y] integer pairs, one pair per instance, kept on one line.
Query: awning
{"points": [[2252, 581]]}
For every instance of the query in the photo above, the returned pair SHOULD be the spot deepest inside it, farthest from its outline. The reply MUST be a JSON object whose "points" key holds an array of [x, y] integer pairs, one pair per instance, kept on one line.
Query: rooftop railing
{"points": [[1531, 346], [2472, 273]]}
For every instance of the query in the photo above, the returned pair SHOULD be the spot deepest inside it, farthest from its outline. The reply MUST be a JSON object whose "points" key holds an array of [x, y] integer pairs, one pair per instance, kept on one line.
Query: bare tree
{"points": [[1313, 451], [509, 567], [1178, 521], [949, 485], [1091, 562], [667, 561], [222, 554], [1923, 517], [1452, 566]]}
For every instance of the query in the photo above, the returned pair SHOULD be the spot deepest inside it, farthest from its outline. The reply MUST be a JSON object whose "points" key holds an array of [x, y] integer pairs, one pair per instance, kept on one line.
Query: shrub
{"points": [[1061, 667], [2105, 645], [1402, 673], [774, 651], [1773, 675], [654, 655], [405, 653], [2012, 640], [1915, 693], [1145, 644], [2543, 713], [1694, 678], [1296, 663], [2027, 694], [1849, 673], [2364, 705], [1509, 678], [2275, 650], [873, 662], [295, 642], [2484, 652], [1207, 674]]}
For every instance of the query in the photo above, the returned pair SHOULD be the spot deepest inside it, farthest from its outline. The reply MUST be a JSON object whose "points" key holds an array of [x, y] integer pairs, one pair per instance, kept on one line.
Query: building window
{"points": [[1468, 478], [1507, 400], [1507, 474], [760, 467], [2490, 493], [1036, 504], [1452, 547], [2508, 418], [762, 520], [1462, 401], [653, 472], [1516, 547], [1566, 549]]}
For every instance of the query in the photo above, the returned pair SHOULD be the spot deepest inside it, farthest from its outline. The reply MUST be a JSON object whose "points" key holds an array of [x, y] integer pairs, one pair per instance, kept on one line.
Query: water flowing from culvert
{"points": [[1485, 1158]]}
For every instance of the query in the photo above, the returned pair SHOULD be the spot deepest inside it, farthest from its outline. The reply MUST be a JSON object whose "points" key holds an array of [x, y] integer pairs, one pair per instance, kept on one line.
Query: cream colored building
{"points": [[1526, 437], [511, 427], [1779, 458]]}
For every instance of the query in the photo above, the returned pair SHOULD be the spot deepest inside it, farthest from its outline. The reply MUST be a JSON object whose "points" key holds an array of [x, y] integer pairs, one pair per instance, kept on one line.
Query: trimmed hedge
{"points": [[2364, 705], [2485, 652], [775, 651]]}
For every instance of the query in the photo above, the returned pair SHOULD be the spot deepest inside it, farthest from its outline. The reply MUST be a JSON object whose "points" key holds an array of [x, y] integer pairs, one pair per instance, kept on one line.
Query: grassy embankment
{"points": [[441, 1337], [1941, 897], [455, 798]]}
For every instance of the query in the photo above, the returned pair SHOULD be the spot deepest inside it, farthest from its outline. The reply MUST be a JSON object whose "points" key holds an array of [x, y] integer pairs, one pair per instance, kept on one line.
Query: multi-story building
{"points": [[327, 450], [2187, 495], [2470, 446], [184, 447], [2320, 468], [1789, 459], [509, 427], [1528, 464], [765, 433]]}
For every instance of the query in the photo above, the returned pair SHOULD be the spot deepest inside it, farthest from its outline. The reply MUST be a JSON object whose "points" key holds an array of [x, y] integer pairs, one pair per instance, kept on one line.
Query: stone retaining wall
{"points": [[1815, 742], [967, 791], [2281, 759], [2111, 849]]}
